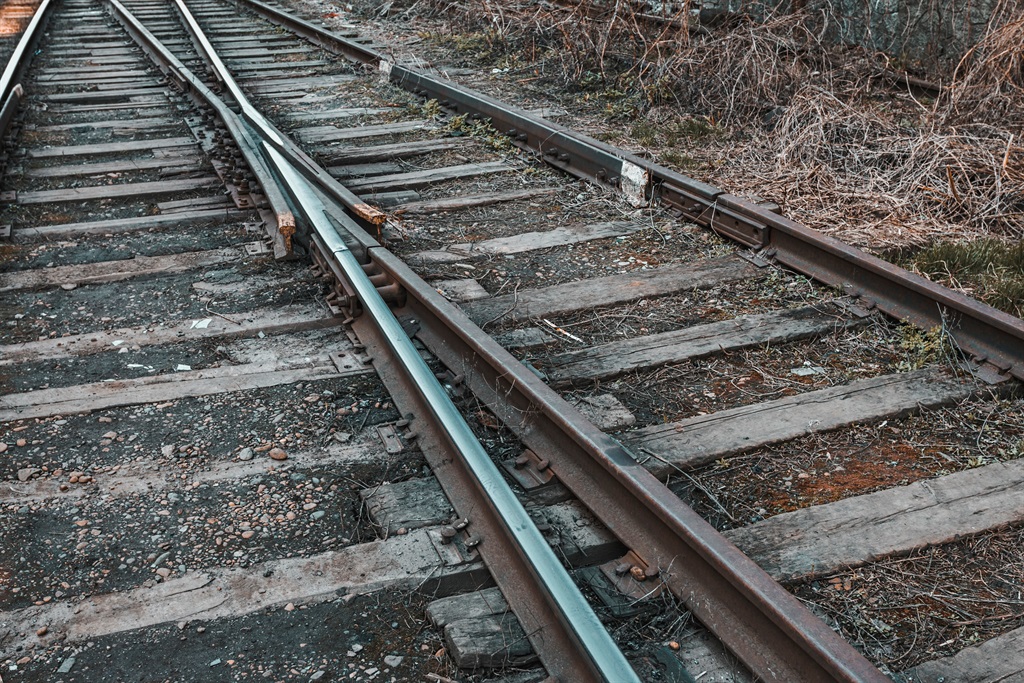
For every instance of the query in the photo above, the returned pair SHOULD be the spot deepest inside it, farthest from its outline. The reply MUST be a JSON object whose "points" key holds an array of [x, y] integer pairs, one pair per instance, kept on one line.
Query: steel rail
{"points": [[771, 632], [284, 221], [990, 336], [575, 645], [11, 90], [601, 657]]}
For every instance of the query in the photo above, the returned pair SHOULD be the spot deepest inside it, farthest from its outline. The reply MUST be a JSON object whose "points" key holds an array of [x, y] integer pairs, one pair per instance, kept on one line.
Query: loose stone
{"points": [[25, 473]]}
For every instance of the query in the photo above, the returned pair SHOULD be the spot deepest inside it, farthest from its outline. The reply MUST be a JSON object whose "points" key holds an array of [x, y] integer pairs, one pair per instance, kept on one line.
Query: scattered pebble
{"points": [[278, 454], [25, 473]]}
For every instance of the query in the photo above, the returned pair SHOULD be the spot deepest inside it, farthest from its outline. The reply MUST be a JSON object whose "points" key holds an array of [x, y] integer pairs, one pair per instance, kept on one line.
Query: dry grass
{"points": [[988, 84], [876, 181], [807, 125]]}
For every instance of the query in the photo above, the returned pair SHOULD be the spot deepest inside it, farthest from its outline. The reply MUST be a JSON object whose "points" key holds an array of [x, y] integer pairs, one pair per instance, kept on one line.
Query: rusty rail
{"points": [[11, 90]]}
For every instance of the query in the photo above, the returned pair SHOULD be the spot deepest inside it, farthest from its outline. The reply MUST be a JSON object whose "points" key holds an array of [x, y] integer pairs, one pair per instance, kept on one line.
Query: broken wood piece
{"points": [[410, 504], [460, 290], [489, 642]]}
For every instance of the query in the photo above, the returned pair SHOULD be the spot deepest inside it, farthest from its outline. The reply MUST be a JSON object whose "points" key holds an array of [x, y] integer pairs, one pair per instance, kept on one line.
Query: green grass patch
{"points": [[993, 268], [924, 347], [681, 161]]}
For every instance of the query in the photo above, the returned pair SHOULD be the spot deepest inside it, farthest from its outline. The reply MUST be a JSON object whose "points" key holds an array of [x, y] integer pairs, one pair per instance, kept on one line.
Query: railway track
{"points": [[222, 463]]}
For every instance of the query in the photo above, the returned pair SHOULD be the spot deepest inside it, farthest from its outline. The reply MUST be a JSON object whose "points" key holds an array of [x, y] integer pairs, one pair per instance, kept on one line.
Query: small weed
{"points": [[431, 110], [644, 133], [480, 130], [680, 161], [924, 347], [698, 128], [484, 48]]}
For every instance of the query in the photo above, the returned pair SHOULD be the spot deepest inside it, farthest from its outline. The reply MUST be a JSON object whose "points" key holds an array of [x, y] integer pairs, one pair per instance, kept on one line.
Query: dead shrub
{"points": [[988, 83]]}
